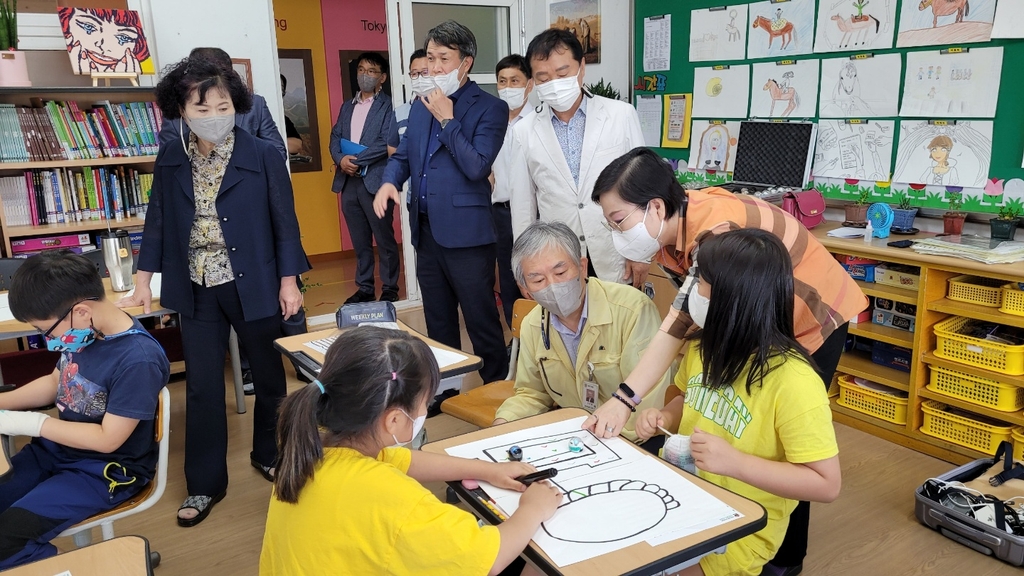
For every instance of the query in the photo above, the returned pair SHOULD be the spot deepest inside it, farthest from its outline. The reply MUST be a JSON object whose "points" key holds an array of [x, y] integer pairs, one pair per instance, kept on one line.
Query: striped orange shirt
{"points": [[826, 296]]}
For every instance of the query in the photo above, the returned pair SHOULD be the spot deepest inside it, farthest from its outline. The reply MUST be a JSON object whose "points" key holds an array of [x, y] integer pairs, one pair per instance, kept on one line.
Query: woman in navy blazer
{"points": [[221, 228]]}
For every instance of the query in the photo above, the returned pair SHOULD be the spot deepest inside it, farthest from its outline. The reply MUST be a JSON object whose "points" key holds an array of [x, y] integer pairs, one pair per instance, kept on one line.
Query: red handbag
{"points": [[807, 206]]}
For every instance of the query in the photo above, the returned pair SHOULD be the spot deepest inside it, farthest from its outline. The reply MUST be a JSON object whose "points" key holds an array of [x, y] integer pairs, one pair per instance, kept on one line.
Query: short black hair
{"points": [[513, 61], [199, 73], [453, 35], [375, 59], [284, 82], [640, 176], [419, 53], [48, 284], [211, 53], [551, 40]]}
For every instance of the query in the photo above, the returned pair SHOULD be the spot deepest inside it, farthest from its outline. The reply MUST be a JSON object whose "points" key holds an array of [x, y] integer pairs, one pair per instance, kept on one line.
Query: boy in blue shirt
{"points": [[101, 449]]}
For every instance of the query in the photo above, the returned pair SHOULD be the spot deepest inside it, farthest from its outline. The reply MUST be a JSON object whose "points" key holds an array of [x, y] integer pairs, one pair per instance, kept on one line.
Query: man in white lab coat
{"points": [[558, 153]]}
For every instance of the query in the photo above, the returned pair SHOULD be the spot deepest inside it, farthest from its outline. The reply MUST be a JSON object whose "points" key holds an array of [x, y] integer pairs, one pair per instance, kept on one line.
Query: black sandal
{"points": [[202, 504], [264, 470]]}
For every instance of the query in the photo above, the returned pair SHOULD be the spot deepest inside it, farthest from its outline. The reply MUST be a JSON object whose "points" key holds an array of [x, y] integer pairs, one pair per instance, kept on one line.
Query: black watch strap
{"points": [[629, 393]]}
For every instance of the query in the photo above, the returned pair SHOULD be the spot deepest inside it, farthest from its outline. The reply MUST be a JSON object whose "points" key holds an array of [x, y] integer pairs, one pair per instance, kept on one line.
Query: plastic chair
{"points": [[479, 405]]}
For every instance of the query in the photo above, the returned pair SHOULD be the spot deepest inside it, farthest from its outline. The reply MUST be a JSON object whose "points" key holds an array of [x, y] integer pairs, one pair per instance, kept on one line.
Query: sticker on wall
{"points": [[101, 41], [940, 153]]}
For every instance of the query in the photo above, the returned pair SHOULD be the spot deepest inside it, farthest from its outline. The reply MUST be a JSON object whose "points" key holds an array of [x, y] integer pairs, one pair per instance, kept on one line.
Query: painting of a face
{"points": [[716, 140], [101, 40], [940, 154]]}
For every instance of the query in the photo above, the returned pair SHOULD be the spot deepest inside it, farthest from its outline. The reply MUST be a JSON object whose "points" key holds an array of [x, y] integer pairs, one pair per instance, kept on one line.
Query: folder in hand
{"points": [[349, 147]]}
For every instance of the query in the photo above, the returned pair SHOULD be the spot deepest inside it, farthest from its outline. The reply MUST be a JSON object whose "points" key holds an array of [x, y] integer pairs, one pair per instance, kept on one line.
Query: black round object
{"points": [[515, 454]]}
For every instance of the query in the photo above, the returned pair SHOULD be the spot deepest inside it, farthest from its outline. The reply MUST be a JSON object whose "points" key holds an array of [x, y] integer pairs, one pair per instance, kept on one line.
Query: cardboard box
{"points": [[893, 306], [865, 272], [891, 356], [49, 242], [854, 260], [893, 320], [898, 275]]}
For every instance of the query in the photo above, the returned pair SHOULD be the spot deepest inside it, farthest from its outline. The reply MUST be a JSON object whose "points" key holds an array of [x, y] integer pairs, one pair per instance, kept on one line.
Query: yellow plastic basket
{"points": [[976, 390], [963, 431], [976, 290], [888, 408], [952, 345], [1018, 443], [1013, 300]]}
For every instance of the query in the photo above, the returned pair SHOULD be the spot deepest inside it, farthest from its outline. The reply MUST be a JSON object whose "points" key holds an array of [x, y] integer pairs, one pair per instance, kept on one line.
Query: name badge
{"points": [[589, 395]]}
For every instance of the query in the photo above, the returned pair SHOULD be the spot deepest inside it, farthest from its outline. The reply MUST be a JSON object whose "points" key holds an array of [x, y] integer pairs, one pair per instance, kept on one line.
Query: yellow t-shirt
{"points": [[786, 419], [360, 515]]}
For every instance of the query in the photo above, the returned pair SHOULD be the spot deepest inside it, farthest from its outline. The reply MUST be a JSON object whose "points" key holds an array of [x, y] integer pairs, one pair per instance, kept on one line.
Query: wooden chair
{"points": [[479, 405]]}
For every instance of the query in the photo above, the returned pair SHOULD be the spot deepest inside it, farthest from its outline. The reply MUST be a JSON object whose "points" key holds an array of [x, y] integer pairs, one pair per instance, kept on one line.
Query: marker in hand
{"points": [[545, 474]]}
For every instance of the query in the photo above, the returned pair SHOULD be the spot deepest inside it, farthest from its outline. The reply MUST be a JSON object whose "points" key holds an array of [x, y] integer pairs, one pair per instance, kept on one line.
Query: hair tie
{"points": [[319, 385], [394, 376]]}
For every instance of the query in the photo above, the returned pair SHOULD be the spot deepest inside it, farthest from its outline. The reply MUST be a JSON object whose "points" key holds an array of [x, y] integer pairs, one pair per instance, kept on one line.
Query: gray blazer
{"points": [[379, 121]]}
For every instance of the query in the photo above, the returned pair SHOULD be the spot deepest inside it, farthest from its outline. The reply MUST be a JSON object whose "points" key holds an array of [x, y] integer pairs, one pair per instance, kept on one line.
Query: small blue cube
{"points": [[575, 444]]}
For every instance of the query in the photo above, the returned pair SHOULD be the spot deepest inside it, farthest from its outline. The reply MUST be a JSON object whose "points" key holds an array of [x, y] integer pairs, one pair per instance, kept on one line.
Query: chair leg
{"points": [[107, 528], [154, 559], [83, 538], [236, 372]]}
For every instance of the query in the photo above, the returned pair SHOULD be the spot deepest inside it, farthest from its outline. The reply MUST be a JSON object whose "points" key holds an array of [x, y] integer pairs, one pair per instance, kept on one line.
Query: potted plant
{"points": [[1004, 226], [13, 69], [603, 89], [859, 5], [903, 213], [857, 213], [953, 220]]}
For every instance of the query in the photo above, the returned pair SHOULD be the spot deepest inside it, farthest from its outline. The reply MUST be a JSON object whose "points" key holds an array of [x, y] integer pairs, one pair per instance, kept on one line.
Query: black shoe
{"points": [[389, 295], [247, 385], [435, 407], [770, 569], [360, 296]]}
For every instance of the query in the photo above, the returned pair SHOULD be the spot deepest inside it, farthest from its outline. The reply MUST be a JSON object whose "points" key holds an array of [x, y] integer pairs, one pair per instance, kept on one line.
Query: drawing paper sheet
{"points": [[964, 85], [784, 90], [722, 93], [718, 34], [657, 43], [675, 132], [615, 495], [780, 30], [1009, 19], [5, 308], [938, 22], [648, 108], [714, 145], [944, 155], [841, 28], [847, 150], [444, 357], [864, 88]]}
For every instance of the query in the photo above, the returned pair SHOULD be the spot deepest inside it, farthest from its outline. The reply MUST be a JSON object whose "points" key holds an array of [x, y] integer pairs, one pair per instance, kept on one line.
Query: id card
{"points": [[589, 395]]}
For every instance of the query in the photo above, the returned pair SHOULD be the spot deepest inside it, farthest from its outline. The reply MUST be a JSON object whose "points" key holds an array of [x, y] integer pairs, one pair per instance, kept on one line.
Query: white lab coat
{"points": [[541, 182]]}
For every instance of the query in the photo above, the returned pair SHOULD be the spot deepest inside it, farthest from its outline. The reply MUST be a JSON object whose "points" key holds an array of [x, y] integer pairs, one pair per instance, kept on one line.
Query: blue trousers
{"points": [[48, 492]]}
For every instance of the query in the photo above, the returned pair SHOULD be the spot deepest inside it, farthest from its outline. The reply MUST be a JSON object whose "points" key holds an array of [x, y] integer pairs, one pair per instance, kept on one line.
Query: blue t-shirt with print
{"points": [[121, 374]]}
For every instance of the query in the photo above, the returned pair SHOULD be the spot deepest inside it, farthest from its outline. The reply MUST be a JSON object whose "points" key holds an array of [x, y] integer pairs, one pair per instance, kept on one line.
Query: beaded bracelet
{"points": [[623, 400]]}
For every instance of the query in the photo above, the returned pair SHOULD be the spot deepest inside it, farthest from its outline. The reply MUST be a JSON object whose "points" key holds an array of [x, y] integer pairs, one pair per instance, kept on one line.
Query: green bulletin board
{"points": [[1008, 124]]}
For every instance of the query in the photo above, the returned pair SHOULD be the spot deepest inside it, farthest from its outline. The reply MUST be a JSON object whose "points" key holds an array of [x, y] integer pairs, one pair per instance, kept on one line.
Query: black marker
{"points": [[545, 474]]}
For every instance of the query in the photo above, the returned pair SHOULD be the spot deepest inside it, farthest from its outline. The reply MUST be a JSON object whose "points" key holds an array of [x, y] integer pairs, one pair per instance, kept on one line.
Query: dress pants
{"points": [[461, 277], [204, 338], [506, 281], [364, 227]]}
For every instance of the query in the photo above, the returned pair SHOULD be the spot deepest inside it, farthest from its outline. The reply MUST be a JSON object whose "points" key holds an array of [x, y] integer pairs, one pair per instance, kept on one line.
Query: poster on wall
{"points": [[933, 22], [1009, 19], [721, 91], [718, 33], [780, 29], [787, 89], [300, 105], [855, 25], [860, 149], [658, 43], [860, 87], [957, 85], [582, 18], [675, 130], [714, 145], [102, 40], [940, 153]]}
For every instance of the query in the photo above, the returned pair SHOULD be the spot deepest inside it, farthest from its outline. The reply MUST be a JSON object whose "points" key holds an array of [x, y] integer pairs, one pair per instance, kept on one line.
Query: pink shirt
{"points": [[359, 114]]}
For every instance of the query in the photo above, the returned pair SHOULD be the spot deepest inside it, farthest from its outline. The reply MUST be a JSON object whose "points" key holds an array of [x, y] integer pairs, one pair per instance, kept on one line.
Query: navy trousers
{"points": [[506, 281], [364, 227]]}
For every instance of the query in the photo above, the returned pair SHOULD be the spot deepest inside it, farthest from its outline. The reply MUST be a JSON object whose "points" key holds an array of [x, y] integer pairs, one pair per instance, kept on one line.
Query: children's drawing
{"points": [[932, 22], [716, 147], [721, 93], [865, 88], [718, 34], [101, 40], [862, 151], [782, 29], [964, 85], [784, 91], [944, 155], [591, 514], [855, 25]]}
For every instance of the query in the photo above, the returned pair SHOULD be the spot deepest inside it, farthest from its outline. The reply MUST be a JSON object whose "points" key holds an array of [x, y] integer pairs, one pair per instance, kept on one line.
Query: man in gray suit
{"points": [[367, 120]]}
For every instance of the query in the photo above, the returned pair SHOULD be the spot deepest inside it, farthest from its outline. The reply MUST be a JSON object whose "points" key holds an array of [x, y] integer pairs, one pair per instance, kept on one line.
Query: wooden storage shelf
{"points": [[890, 292], [71, 228], [931, 359], [1016, 418], [866, 418], [965, 454], [50, 164], [976, 311], [886, 334], [856, 363]]}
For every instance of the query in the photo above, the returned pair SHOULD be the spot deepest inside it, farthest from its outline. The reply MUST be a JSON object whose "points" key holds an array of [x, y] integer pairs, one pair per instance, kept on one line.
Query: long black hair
{"points": [[366, 372], [750, 317]]}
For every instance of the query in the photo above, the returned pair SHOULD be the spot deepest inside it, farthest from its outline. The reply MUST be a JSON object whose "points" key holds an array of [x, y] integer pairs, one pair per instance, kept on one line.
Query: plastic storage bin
{"points": [[962, 430], [976, 290], [976, 390], [1018, 443], [952, 345], [889, 408], [1013, 300]]}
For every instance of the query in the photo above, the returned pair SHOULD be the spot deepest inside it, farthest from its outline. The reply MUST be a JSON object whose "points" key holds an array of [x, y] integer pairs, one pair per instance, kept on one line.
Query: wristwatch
{"points": [[445, 122], [634, 397]]}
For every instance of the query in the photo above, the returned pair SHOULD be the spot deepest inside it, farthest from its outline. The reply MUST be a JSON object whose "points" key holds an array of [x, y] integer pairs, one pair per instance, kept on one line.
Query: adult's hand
{"points": [[142, 296], [290, 297], [439, 105], [637, 271], [386, 192], [608, 420], [347, 165]]}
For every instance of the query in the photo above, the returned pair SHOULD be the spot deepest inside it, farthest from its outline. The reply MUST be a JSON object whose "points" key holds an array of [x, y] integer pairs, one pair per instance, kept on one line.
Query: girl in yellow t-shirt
{"points": [[347, 496], [758, 418]]}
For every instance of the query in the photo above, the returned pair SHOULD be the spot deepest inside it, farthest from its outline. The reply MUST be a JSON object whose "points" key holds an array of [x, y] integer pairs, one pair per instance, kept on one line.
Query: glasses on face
{"points": [[368, 71], [418, 73], [47, 334], [617, 226]]}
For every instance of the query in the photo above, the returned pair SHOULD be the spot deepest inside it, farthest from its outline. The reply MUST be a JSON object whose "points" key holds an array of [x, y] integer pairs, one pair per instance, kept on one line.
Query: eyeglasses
{"points": [[369, 71], [613, 226], [415, 75], [65, 315]]}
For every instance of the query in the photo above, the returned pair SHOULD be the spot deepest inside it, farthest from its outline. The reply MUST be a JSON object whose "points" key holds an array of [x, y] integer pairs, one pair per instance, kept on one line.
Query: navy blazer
{"points": [[257, 215], [460, 158], [376, 129], [257, 122]]}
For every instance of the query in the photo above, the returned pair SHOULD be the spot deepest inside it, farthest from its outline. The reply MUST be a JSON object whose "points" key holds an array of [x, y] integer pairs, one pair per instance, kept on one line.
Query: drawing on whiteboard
{"points": [[944, 155], [861, 151], [782, 93], [594, 513], [553, 451], [780, 29], [930, 22]]}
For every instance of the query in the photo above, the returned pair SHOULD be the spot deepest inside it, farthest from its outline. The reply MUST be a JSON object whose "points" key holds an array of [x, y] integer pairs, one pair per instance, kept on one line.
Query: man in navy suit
{"points": [[454, 135]]}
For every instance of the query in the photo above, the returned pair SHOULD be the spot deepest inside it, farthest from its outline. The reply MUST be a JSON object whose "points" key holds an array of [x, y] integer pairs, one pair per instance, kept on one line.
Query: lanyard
{"points": [[545, 334]]}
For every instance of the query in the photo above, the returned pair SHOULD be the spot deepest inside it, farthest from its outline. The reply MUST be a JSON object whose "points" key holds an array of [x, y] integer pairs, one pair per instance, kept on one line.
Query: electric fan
{"points": [[880, 215]]}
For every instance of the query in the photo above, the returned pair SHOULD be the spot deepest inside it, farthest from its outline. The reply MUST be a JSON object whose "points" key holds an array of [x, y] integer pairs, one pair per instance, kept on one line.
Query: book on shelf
{"points": [[61, 196], [37, 244]]}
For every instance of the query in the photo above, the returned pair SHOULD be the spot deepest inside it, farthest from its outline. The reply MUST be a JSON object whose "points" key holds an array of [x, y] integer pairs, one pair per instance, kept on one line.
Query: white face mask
{"points": [[448, 83], [560, 93], [513, 97], [213, 129], [560, 298], [417, 425], [698, 306], [637, 244], [422, 86]]}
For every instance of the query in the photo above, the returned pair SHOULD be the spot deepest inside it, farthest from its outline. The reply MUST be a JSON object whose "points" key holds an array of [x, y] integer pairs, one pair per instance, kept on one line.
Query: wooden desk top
{"points": [[121, 556], [640, 558], [293, 344]]}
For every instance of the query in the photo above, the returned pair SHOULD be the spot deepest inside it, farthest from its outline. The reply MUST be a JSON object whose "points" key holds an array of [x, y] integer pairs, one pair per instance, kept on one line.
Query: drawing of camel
{"points": [[778, 95], [858, 29], [785, 32], [734, 34], [946, 8]]}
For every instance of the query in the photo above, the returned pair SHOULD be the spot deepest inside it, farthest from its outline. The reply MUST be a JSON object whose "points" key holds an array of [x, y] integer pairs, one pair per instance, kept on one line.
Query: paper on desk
{"points": [[446, 358], [847, 232], [5, 308], [154, 286]]}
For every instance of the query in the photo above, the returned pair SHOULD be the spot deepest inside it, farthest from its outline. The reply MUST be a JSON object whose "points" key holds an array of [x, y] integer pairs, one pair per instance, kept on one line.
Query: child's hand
{"points": [[647, 423], [541, 498], [504, 474], [714, 454]]}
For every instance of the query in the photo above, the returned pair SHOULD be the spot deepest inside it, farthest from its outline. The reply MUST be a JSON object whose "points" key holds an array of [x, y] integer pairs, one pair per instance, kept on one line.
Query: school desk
{"points": [[121, 556], [638, 559]]}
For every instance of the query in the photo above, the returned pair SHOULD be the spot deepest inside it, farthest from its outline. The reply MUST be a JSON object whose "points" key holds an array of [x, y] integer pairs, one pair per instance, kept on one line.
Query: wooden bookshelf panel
{"points": [[856, 363], [71, 227], [886, 334], [976, 311], [89, 162], [890, 292]]}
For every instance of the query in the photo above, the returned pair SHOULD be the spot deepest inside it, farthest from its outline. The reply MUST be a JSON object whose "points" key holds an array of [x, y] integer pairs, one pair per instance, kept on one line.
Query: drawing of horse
{"points": [[778, 95], [946, 8], [860, 28], [785, 31]]}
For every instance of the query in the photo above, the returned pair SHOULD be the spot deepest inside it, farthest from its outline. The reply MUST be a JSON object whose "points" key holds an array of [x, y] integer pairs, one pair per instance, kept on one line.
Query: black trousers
{"points": [[364, 227], [204, 340], [506, 281], [451, 278], [794, 546]]}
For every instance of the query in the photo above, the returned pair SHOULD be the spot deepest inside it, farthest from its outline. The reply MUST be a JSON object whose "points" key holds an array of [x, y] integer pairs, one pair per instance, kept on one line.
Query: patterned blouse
{"points": [[208, 263]]}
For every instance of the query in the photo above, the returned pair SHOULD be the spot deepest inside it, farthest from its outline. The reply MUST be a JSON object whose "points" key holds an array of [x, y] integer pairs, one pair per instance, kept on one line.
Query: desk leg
{"points": [[236, 372]]}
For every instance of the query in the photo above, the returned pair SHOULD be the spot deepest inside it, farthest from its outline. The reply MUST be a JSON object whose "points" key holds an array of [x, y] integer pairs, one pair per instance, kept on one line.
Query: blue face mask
{"points": [[71, 341]]}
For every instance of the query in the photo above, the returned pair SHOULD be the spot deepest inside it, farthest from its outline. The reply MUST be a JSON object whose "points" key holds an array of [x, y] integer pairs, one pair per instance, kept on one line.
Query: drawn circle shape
{"points": [[714, 87]]}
